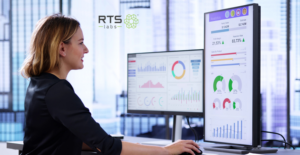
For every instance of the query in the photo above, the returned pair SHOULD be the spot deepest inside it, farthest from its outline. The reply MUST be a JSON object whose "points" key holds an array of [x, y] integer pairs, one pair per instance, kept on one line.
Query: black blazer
{"points": [[57, 122]]}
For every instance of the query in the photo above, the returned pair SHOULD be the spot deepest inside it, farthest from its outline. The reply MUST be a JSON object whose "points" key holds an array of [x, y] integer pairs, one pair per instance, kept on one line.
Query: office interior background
{"points": [[163, 25]]}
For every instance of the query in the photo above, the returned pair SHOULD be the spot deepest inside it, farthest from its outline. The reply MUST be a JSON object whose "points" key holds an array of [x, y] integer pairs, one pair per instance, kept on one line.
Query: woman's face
{"points": [[75, 50]]}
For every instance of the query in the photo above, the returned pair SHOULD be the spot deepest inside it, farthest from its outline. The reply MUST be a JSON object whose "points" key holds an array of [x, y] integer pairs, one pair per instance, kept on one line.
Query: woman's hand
{"points": [[181, 146]]}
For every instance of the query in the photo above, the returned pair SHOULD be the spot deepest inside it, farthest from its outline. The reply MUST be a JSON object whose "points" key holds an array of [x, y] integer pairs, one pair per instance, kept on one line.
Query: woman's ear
{"points": [[61, 49]]}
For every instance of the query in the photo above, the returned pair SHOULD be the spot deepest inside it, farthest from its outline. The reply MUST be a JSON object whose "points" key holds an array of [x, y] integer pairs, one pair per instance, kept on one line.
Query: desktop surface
{"points": [[18, 145]]}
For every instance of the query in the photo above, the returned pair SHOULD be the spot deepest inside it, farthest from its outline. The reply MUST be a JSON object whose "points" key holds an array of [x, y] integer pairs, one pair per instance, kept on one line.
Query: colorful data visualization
{"points": [[228, 75], [166, 81]]}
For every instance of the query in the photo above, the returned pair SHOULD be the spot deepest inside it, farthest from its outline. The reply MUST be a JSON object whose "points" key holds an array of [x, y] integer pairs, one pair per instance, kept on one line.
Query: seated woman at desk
{"points": [[57, 122]]}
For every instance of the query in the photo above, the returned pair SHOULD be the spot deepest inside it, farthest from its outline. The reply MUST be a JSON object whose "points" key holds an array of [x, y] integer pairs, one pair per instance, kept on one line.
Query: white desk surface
{"points": [[18, 145]]}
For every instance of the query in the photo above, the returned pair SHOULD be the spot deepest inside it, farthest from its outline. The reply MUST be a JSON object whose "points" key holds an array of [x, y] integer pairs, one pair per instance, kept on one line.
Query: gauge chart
{"points": [[235, 78], [217, 104], [219, 79], [237, 104], [227, 104], [151, 101]]}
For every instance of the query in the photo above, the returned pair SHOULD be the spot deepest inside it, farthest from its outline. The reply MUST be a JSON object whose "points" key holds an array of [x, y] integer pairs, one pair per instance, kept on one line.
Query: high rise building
{"points": [[17, 28], [295, 73]]}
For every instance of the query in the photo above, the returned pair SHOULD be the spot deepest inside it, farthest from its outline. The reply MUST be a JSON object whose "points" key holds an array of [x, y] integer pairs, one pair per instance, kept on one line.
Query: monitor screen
{"points": [[229, 76], [166, 82]]}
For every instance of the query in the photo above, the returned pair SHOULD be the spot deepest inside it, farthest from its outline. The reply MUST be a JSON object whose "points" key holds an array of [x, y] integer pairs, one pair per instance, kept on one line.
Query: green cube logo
{"points": [[131, 21]]}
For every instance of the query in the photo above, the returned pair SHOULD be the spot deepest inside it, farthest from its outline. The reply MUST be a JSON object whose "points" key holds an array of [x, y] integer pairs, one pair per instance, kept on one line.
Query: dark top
{"points": [[57, 122]]}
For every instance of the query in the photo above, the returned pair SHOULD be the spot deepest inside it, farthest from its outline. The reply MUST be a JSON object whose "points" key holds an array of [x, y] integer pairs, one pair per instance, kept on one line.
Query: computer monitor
{"points": [[166, 82], [232, 76]]}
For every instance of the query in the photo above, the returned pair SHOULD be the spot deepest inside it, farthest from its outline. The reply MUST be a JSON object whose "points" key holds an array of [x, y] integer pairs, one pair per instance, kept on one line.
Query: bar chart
{"points": [[229, 131], [187, 96], [228, 59], [152, 67]]}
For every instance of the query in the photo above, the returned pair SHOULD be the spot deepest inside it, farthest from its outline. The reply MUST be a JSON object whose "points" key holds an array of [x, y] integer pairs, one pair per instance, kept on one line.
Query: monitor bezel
{"points": [[256, 98], [200, 114]]}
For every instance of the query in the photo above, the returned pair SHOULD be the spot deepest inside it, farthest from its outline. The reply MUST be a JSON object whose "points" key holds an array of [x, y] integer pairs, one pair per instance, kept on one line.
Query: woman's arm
{"points": [[173, 149], [86, 147]]}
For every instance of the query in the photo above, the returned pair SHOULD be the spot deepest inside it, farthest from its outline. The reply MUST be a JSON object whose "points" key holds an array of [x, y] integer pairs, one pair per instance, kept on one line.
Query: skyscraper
{"points": [[295, 73], [18, 25]]}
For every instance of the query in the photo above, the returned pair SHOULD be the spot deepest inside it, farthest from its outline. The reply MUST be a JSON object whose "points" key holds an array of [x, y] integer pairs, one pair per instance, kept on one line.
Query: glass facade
{"points": [[295, 73], [24, 15]]}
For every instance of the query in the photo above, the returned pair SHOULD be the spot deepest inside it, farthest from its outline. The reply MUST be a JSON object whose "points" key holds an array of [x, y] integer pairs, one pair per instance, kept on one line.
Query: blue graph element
{"points": [[152, 68], [195, 65], [234, 132], [131, 73], [233, 64], [219, 31]]}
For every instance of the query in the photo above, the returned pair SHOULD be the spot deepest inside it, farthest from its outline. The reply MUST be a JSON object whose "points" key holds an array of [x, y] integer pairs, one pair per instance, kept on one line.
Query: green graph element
{"points": [[217, 79], [131, 21], [230, 85], [234, 105], [243, 40], [222, 42], [159, 101], [173, 74]]}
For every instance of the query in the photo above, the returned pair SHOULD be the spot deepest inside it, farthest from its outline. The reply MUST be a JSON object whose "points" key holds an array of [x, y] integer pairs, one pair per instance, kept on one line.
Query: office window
{"points": [[24, 16], [4, 56], [273, 67], [105, 64], [295, 73]]}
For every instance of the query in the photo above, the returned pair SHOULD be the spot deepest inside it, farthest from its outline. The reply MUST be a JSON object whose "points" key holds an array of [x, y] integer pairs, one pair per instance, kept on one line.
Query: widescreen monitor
{"points": [[166, 82], [232, 76]]}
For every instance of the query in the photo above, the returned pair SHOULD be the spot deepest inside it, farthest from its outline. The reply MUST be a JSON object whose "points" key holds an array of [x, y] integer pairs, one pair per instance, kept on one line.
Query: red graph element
{"points": [[149, 84], [131, 61], [225, 101], [224, 54], [214, 105]]}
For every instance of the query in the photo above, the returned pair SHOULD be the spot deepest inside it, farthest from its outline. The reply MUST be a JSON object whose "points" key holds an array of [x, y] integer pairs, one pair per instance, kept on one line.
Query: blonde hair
{"points": [[43, 54]]}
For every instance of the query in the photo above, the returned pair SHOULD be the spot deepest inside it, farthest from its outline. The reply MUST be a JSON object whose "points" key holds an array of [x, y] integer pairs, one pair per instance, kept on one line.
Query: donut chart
{"points": [[182, 75], [237, 104], [161, 101], [148, 102], [227, 100], [216, 104], [238, 80], [217, 79], [139, 101]]}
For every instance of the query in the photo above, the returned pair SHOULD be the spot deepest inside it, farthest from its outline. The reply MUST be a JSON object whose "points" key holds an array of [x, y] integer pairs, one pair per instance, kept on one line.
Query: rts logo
{"points": [[112, 22]]}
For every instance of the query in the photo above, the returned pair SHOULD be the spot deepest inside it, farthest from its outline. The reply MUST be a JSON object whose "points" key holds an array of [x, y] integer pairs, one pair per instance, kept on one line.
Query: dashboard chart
{"points": [[166, 81], [228, 75], [231, 130]]}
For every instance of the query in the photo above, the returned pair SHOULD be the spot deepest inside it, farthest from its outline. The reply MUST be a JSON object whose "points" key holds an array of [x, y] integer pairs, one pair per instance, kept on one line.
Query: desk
{"points": [[18, 145]]}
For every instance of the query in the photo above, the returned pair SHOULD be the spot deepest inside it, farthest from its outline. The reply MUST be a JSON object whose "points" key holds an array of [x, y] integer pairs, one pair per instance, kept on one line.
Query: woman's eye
{"points": [[81, 43]]}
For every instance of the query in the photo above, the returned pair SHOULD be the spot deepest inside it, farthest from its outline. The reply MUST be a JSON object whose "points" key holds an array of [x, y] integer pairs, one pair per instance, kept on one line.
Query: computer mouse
{"points": [[196, 153]]}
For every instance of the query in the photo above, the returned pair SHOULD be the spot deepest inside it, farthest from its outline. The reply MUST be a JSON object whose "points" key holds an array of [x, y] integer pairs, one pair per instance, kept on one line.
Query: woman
{"points": [[57, 122]]}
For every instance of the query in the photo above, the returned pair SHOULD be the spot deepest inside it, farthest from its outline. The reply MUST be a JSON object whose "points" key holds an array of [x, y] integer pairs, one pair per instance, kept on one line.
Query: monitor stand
{"points": [[240, 149], [176, 133], [177, 128]]}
